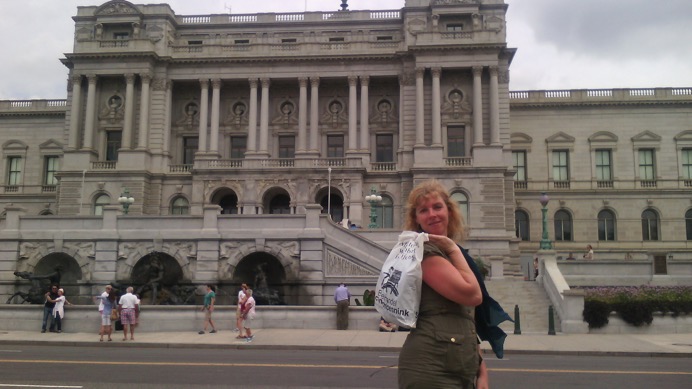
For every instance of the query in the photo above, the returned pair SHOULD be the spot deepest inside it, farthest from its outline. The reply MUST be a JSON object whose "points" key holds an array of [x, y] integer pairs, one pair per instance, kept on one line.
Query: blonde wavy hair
{"points": [[456, 227]]}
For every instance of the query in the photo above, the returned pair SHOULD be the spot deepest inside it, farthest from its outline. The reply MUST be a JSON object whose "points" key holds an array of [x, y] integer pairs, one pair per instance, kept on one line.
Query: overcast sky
{"points": [[561, 44]]}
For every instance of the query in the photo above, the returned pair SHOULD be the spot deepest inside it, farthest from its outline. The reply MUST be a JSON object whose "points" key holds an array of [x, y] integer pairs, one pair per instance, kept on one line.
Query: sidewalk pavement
{"points": [[669, 345]]}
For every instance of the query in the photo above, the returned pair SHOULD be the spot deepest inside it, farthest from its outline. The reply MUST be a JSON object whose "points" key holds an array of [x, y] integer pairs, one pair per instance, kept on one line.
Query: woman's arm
{"points": [[453, 279], [482, 377]]}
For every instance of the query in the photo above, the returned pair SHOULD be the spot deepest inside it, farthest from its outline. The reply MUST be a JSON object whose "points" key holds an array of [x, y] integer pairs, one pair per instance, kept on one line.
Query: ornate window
{"points": [[563, 226], [521, 225], [606, 225], [100, 202], [180, 206], [650, 225]]}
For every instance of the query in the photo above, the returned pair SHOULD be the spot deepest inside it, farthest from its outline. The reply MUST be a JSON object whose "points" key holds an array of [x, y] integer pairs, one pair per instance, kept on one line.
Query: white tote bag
{"points": [[398, 291]]}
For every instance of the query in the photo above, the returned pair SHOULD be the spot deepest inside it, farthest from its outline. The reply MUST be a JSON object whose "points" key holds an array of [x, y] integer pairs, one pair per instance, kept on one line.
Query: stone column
{"points": [[168, 112], [302, 114], [436, 119], [252, 121], [364, 114], [402, 82], [75, 111], [314, 113], [420, 108], [89, 120], [129, 111], [352, 113], [215, 109], [144, 112], [477, 106], [264, 118], [494, 108], [203, 109]]}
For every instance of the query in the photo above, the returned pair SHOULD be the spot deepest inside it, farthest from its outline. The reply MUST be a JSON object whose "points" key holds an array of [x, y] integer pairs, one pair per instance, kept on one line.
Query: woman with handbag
{"points": [[442, 350], [109, 314]]}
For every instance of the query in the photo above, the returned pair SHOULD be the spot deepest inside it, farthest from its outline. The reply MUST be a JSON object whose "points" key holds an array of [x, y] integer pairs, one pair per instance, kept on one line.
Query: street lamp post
{"points": [[125, 200], [329, 193], [545, 242], [373, 198]]}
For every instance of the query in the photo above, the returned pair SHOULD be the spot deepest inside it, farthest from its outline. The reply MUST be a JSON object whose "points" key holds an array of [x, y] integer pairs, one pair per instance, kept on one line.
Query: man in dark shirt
{"points": [[48, 307]]}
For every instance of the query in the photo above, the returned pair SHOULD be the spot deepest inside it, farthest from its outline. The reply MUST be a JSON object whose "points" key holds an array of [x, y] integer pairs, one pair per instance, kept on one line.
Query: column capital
{"points": [[145, 77], [130, 78], [303, 82], [204, 83], [92, 78], [253, 82], [76, 79], [216, 83], [420, 72], [315, 81], [364, 80], [493, 70], [352, 80], [477, 71], [436, 72], [266, 81], [159, 84]]}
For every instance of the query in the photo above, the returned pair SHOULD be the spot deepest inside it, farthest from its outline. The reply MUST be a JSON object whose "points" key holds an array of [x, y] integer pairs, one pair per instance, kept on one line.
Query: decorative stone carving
{"points": [[336, 265], [113, 109], [115, 8]]}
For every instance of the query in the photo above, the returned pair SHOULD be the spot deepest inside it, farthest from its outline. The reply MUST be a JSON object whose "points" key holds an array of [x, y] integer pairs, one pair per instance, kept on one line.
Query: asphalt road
{"points": [[112, 367]]}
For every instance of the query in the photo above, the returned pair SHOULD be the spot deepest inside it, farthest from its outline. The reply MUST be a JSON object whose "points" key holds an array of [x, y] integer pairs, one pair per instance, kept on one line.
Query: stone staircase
{"points": [[532, 301]]}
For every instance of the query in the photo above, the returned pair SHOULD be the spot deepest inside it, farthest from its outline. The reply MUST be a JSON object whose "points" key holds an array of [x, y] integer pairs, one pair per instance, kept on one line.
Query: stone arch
{"points": [[31, 253], [228, 199], [277, 198], [337, 203], [129, 253], [286, 252]]}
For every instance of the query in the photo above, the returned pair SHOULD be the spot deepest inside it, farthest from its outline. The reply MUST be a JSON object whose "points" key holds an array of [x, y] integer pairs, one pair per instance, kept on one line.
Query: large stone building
{"points": [[273, 118]]}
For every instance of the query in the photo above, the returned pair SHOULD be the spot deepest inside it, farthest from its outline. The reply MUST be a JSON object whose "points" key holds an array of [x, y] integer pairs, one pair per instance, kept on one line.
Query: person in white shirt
{"points": [[58, 310], [248, 314], [128, 312], [239, 309], [589, 253]]}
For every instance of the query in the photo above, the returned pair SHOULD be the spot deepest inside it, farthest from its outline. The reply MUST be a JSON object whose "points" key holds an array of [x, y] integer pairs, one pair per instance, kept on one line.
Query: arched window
{"points": [[180, 206], [46, 212], [650, 225], [563, 226], [521, 225], [100, 202], [463, 203], [688, 224], [280, 204], [606, 225], [385, 212], [229, 204]]}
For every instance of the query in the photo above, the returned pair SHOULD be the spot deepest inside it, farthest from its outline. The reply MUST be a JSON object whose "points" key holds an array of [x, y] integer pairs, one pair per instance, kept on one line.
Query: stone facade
{"points": [[284, 113]]}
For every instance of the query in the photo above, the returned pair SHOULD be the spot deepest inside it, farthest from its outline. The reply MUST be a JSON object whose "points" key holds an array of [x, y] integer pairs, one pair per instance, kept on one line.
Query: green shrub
{"points": [[635, 305]]}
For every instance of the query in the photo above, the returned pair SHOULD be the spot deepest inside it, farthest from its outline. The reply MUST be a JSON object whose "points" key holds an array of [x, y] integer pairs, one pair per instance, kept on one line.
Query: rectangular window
{"points": [[560, 165], [603, 165], [193, 43], [687, 164], [238, 147], [384, 145], [51, 167], [190, 147], [289, 40], [455, 141], [335, 146], [287, 146], [121, 36], [14, 171], [336, 39], [242, 41], [385, 38], [519, 165], [646, 164], [113, 141], [455, 27]]}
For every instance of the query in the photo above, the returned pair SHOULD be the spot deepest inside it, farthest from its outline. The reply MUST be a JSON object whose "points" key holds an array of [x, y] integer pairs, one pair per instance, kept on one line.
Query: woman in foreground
{"points": [[442, 351]]}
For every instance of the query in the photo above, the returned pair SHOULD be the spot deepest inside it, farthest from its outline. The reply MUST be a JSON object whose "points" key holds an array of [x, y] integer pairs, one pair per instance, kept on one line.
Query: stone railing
{"points": [[591, 96], [290, 17]]}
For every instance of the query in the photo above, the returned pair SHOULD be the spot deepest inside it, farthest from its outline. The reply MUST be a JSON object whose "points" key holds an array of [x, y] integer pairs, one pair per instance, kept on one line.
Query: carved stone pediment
{"points": [[117, 7], [560, 137], [646, 136]]}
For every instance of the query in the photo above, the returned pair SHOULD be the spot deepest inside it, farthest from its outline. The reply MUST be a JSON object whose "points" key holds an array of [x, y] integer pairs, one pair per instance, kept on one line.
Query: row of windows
{"points": [[607, 225], [603, 164], [15, 164]]}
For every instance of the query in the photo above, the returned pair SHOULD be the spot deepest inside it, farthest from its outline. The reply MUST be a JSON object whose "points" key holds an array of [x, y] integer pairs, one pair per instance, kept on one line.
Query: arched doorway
{"points": [[227, 200], [335, 206], [277, 202], [66, 270], [265, 275]]}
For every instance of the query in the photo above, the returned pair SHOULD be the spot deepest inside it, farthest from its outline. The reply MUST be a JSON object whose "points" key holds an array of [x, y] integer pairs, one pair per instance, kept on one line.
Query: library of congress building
{"points": [[284, 145]]}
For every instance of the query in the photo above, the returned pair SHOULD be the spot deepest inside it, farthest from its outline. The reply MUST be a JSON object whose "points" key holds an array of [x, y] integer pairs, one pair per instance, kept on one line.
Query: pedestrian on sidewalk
{"points": [[248, 315], [48, 306], [239, 307], [108, 304], [208, 308], [127, 306], [589, 253], [59, 311], [342, 298]]}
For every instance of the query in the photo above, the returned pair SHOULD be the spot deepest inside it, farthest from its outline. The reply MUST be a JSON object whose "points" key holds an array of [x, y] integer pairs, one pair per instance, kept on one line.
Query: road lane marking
{"points": [[38, 386], [311, 366]]}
